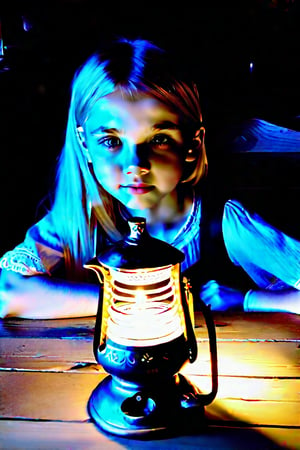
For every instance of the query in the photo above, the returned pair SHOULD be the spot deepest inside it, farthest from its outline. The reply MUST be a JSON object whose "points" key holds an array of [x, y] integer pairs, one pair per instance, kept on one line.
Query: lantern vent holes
{"points": [[140, 405]]}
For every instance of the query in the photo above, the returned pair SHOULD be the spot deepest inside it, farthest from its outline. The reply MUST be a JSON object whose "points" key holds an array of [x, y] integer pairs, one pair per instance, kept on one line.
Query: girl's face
{"points": [[137, 149]]}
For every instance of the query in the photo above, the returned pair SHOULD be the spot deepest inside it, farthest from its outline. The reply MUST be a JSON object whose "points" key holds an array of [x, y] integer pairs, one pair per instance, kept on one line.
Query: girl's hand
{"points": [[221, 298]]}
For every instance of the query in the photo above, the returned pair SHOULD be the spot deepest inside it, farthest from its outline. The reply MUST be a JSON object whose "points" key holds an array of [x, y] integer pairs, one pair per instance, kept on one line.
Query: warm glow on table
{"points": [[48, 372]]}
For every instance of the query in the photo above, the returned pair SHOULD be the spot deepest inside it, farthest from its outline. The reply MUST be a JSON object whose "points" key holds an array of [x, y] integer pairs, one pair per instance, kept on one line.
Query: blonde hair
{"points": [[133, 67]]}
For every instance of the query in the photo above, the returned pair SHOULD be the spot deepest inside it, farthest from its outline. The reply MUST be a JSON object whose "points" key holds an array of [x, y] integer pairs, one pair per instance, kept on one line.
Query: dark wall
{"points": [[46, 41]]}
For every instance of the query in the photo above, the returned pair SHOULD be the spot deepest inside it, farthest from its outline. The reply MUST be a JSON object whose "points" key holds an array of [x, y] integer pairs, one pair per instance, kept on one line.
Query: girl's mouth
{"points": [[138, 189]]}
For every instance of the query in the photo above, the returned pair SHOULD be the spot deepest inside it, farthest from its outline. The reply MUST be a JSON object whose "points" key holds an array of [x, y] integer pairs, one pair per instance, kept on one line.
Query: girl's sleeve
{"points": [[270, 257], [40, 253]]}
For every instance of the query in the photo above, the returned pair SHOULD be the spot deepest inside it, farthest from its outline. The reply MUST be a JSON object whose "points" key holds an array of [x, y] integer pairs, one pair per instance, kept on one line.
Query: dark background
{"points": [[45, 41]]}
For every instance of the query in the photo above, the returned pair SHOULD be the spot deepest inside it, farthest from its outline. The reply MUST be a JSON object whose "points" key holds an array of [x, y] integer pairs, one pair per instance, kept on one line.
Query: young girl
{"points": [[134, 146]]}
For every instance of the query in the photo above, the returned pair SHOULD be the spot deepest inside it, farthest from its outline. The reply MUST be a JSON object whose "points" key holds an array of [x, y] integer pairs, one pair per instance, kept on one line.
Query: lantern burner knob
{"points": [[137, 227]]}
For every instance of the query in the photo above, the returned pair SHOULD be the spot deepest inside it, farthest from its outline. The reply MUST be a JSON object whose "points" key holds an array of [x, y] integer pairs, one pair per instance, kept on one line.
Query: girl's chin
{"points": [[136, 206], [140, 203]]}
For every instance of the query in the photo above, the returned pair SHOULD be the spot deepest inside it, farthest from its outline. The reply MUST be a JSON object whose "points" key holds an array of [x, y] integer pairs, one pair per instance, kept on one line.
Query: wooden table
{"points": [[48, 372]]}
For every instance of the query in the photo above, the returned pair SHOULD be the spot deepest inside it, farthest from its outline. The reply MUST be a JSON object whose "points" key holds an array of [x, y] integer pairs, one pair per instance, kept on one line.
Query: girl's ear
{"points": [[80, 134], [197, 142], [81, 138]]}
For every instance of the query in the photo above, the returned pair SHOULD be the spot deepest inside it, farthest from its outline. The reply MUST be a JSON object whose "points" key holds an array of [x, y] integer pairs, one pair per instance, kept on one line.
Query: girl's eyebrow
{"points": [[103, 129], [166, 125]]}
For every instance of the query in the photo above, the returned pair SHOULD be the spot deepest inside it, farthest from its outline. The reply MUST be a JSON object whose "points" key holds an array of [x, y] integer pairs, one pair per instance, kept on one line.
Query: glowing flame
{"points": [[141, 300]]}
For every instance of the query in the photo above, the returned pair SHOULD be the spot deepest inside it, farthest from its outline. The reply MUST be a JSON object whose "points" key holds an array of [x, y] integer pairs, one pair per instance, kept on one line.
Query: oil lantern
{"points": [[144, 335]]}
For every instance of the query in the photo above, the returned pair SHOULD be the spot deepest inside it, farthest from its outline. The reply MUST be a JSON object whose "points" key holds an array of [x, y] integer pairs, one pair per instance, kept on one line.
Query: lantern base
{"points": [[131, 409]]}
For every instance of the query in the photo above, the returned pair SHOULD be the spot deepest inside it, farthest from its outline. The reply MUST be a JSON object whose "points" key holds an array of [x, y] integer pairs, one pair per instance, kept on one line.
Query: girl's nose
{"points": [[136, 170], [137, 161]]}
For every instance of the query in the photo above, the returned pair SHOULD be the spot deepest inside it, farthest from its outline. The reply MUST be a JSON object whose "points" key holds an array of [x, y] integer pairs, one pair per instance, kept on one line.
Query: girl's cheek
{"points": [[108, 172]]}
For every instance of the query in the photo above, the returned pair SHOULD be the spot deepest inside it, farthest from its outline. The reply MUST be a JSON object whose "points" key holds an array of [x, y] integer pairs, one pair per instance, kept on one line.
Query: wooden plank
{"points": [[252, 389], [262, 359], [47, 396], [61, 435], [81, 327], [280, 359], [261, 413], [229, 325], [252, 326], [43, 353], [64, 396], [53, 435]]}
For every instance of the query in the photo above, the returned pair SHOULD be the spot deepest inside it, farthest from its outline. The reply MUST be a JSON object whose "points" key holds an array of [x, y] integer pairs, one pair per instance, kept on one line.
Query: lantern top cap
{"points": [[139, 250]]}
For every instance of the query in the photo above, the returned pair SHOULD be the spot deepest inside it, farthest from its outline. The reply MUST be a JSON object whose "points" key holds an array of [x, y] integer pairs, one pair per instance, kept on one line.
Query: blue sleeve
{"points": [[40, 253], [270, 257]]}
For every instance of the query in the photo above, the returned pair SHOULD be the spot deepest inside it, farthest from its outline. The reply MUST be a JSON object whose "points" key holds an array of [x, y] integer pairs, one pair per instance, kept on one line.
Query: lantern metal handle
{"points": [[204, 399]]}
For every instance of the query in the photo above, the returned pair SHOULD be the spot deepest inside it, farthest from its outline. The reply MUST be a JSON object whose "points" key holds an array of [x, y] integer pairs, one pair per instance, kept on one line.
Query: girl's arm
{"points": [[43, 297], [287, 300], [223, 298]]}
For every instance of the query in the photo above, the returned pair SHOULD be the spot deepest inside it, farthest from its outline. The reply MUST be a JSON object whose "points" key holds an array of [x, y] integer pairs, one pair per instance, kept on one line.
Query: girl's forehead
{"points": [[117, 108]]}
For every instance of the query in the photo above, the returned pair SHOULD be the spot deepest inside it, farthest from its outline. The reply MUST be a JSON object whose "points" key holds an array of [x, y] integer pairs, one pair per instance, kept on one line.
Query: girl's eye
{"points": [[111, 143], [161, 140]]}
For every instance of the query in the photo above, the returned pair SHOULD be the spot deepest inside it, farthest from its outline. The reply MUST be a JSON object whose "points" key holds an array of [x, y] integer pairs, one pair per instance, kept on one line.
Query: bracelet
{"points": [[246, 301]]}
